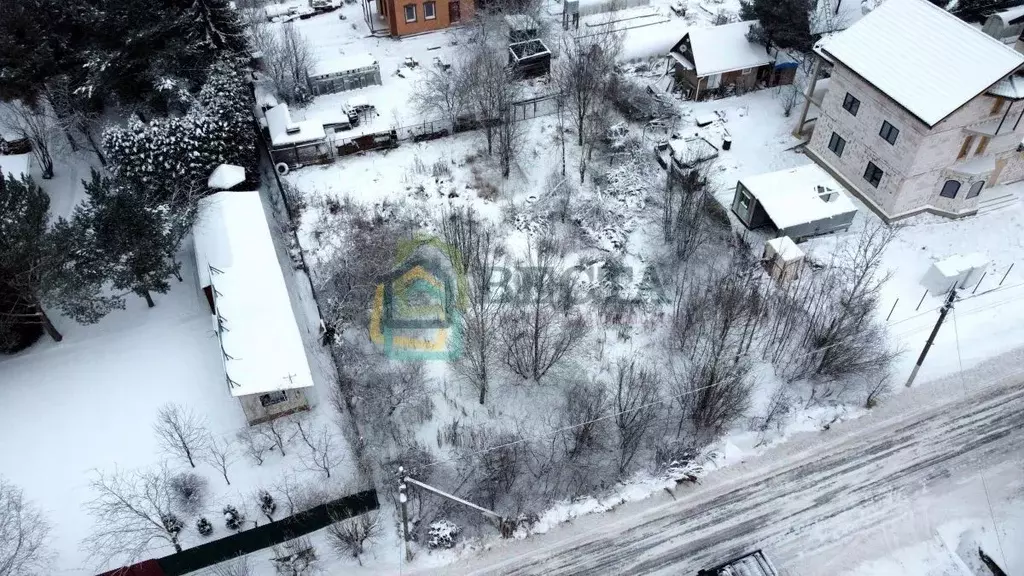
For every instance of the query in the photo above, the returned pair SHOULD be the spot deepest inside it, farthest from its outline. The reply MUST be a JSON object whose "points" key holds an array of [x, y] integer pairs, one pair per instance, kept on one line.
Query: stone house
{"points": [[921, 112], [709, 62]]}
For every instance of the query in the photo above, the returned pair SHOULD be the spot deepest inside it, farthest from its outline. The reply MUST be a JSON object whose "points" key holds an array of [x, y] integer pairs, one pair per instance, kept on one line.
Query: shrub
{"points": [[189, 491], [204, 527], [443, 534], [233, 519]]}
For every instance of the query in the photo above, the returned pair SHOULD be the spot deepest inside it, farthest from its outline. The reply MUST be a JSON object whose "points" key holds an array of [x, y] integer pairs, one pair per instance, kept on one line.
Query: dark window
{"points": [[836, 144], [410, 12], [745, 199], [272, 398], [889, 132], [873, 174], [851, 104], [949, 189], [429, 12], [975, 189]]}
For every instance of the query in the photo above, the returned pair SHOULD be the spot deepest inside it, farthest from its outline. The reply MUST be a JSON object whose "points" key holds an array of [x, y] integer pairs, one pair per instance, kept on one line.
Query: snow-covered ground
{"points": [[89, 403]]}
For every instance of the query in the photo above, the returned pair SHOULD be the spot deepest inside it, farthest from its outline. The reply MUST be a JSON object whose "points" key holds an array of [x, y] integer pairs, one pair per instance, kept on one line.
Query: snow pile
{"points": [[16, 165], [226, 176]]}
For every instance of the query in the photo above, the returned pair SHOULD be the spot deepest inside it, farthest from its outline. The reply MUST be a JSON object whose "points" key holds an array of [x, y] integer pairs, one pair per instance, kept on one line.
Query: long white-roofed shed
{"points": [[265, 362]]}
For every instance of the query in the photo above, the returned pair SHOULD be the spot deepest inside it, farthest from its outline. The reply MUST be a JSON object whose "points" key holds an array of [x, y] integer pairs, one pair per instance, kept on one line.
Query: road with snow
{"points": [[820, 503]]}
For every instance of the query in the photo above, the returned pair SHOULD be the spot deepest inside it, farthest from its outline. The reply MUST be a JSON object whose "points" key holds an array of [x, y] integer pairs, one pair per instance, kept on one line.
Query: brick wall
{"points": [[441, 20]]}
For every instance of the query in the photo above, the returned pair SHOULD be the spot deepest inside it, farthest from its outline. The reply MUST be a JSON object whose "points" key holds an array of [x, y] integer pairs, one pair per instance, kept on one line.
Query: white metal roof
{"points": [[339, 64], [792, 197], [927, 60], [261, 341], [786, 249], [226, 176], [279, 120], [17, 165], [726, 48]]}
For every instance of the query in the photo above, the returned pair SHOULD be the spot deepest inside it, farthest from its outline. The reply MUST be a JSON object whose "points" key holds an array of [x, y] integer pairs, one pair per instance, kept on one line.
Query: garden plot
{"points": [[87, 405]]}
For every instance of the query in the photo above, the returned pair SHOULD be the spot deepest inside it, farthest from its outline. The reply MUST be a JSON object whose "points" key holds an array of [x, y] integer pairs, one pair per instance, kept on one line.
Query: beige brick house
{"points": [[920, 112]]}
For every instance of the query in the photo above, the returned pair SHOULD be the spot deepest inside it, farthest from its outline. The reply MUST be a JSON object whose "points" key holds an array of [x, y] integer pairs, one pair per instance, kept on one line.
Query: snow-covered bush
{"points": [[296, 557], [204, 527], [267, 504], [233, 519], [172, 524], [185, 149], [189, 491], [443, 534]]}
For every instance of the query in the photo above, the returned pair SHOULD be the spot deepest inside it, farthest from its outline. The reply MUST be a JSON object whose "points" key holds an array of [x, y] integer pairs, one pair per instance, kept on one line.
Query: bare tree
{"points": [[181, 432], [489, 86], [254, 445], [349, 537], [321, 457], [583, 71], [38, 125], [189, 492], [237, 567], [289, 58], [481, 255], [131, 509], [542, 325], [441, 91], [636, 393], [220, 453], [584, 419], [296, 557], [24, 533], [273, 432], [396, 395], [298, 496]]}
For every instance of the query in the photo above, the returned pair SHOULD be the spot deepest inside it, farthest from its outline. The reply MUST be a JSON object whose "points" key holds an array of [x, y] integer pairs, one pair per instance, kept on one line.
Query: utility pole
{"points": [[946, 307], [403, 499]]}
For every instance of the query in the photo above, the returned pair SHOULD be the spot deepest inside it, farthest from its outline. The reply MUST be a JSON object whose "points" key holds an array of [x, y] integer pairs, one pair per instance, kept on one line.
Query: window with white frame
{"points": [[410, 12], [429, 11]]}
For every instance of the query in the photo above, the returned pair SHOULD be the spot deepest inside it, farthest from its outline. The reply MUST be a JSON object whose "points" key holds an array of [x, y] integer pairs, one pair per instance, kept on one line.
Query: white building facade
{"points": [[913, 125]]}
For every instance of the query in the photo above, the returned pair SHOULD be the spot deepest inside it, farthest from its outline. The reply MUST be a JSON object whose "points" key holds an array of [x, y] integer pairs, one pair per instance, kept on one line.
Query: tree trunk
{"points": [[95, 147], [177, 547], [51, 330], [150, 303]]}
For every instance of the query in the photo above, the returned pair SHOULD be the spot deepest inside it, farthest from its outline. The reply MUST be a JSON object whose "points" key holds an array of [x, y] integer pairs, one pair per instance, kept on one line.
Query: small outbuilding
{"points": [[530, 58], [295, 142], [799, 202], [783, 258], [959, 270], [265, 364], [343, 73], [707, 62]]}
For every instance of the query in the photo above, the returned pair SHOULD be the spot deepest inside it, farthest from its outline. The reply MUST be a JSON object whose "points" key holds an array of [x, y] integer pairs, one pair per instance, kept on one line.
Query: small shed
{"points": [[1005, 26], [708, 61], [783, 258], [295, 142], [960, 270], [521, 27], [342, 73], [689, 152], [799, 202], [530, 58], [265, 364]]}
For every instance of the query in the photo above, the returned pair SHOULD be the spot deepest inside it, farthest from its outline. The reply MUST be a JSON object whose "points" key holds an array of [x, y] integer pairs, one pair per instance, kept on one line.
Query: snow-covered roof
{"points": [[284, 132], [339, 64], [1009, 16], [927, 60], [260, 337], [226, 176], [799, 195], [690, 151], [786, 249], [725, 48], [17, 165]]}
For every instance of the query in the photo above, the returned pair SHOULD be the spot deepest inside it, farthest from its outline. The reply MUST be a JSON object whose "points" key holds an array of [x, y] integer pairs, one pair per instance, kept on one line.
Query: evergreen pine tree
{"points": [[218, 26], [132, 235], [40, 266], [782, 24]]}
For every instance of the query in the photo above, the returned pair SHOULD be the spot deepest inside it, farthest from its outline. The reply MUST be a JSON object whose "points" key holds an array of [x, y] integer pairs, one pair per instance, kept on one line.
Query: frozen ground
{"points": [[89, 403]]}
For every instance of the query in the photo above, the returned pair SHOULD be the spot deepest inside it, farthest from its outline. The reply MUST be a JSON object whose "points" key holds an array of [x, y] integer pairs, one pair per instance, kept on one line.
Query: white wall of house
{"points": [[922, 159]]}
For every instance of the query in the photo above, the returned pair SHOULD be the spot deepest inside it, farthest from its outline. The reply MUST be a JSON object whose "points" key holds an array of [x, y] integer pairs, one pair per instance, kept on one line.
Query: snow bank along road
{"points": [[822, 502]]}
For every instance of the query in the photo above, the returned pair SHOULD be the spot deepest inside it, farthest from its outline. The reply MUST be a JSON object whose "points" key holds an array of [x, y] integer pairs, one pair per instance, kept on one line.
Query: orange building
{"points": [[405, 17]]}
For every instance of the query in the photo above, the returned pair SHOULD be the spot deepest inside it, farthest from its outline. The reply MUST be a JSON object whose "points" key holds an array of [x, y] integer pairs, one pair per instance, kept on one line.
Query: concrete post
{"points": [[815, 71]]}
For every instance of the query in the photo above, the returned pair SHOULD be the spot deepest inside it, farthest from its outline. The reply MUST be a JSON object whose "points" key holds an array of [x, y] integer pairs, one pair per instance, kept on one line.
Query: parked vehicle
{"points": [[751, 564]]}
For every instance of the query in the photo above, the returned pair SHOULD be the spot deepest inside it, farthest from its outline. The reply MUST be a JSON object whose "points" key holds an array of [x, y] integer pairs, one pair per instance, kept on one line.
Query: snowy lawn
{"points": [[89, 403]]}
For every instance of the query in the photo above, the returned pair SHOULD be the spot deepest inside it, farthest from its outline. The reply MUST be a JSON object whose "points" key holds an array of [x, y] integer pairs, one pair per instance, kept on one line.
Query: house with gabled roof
{"points": [[921, 112], [708, 62]]}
